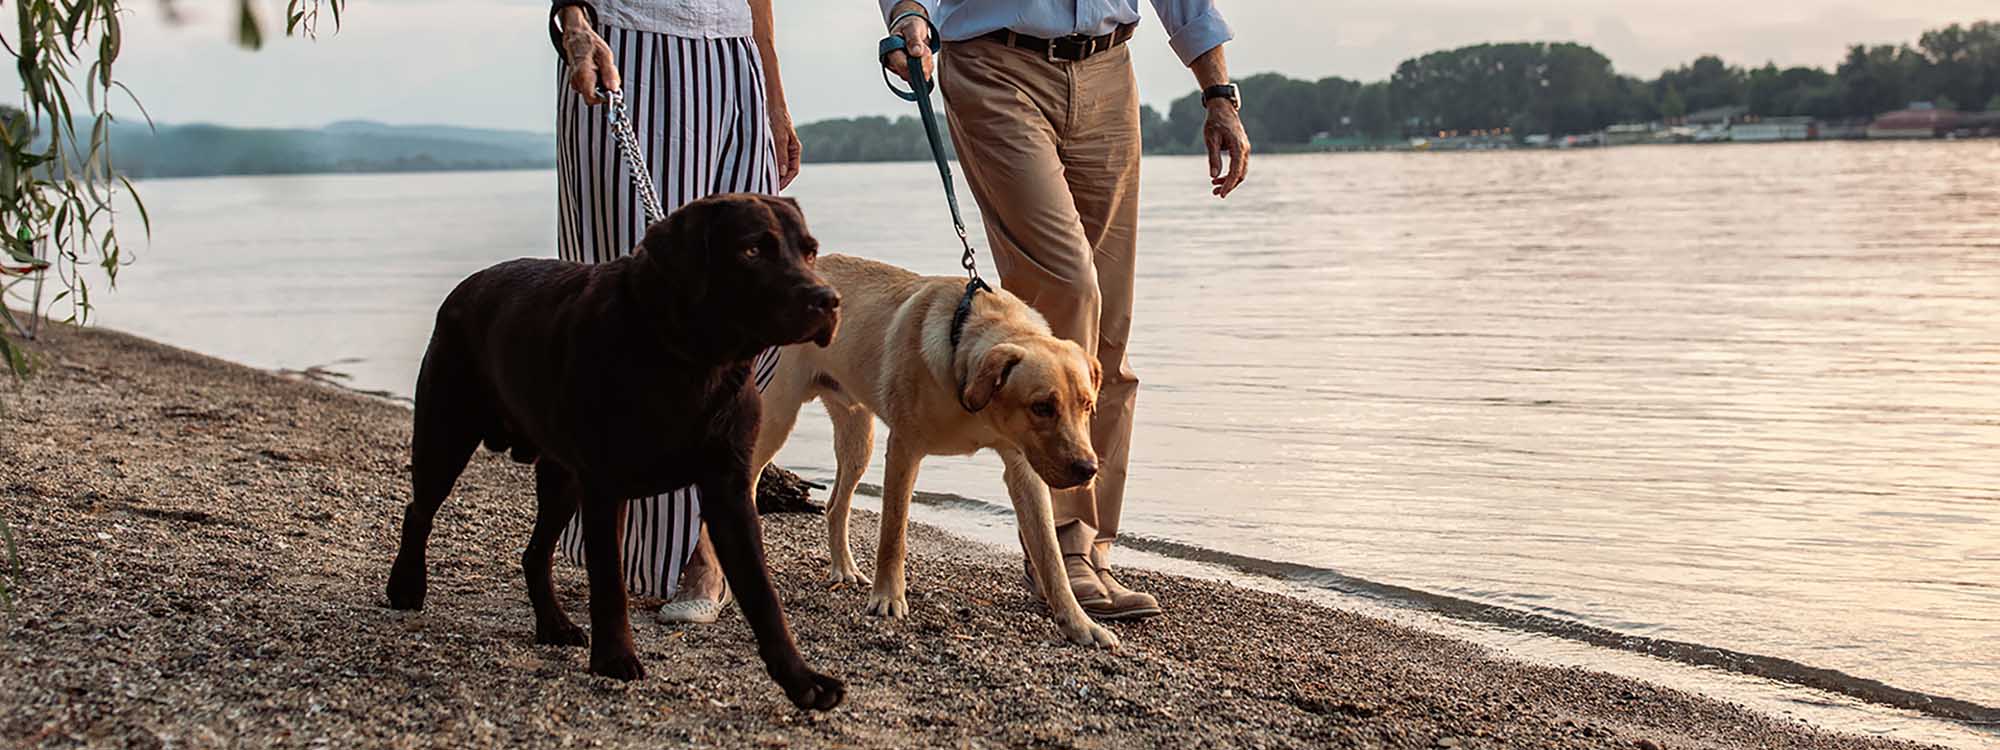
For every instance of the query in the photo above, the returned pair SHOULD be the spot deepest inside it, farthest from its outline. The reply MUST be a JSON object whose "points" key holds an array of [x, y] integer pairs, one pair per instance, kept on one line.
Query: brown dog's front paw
{"points": [[406, 590], [817, 692], [560, 634], [617, 666]]}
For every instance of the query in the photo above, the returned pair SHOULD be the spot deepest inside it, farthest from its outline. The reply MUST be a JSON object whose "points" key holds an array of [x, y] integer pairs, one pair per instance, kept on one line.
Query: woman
{"points": [[700, 83]]}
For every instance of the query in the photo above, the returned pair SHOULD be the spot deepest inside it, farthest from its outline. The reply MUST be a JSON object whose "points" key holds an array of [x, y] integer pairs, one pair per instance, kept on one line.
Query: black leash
{"points": [[920, 92]]}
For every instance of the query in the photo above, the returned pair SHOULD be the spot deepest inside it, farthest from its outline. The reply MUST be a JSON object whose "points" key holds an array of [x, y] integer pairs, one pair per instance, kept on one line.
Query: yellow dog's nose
{"points": [[1083, 469]]}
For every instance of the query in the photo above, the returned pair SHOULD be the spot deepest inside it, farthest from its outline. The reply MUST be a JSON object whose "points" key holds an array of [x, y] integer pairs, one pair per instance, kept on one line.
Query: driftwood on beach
{"points": [[203, 547]]}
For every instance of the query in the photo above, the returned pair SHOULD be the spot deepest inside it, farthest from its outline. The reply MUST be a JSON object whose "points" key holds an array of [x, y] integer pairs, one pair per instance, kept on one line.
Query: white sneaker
{"points": [[694, 611]]}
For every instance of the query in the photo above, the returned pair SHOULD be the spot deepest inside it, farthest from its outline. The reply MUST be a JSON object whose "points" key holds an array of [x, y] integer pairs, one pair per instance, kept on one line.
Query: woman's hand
{"points": [[785, 144], [784, 140], [591, 65]]}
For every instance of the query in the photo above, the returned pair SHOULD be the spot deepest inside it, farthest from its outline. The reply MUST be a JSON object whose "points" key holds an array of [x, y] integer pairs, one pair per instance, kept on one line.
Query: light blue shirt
{"points": [[1193, 26]]}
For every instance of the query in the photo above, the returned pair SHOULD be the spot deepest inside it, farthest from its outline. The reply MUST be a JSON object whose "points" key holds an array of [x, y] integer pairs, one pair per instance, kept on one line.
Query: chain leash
{"points": [[635, 162]]}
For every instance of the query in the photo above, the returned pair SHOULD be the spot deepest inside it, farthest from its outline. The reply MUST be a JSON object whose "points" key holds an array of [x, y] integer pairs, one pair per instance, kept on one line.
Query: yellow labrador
{"points": [[1007, 385]]}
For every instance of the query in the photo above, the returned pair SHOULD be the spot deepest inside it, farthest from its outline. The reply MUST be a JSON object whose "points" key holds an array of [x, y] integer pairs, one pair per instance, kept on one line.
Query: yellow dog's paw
{"points": [[1091, 634], [887, 605], [839, 576]]}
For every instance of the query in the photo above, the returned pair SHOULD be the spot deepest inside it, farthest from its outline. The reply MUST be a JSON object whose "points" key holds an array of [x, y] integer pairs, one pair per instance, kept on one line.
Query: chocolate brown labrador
{"points": [[620, 380]]}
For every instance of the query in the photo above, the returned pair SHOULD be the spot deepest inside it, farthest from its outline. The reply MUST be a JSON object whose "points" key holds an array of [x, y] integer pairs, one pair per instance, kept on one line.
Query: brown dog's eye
{"points": [[751, 251], [1044, 409]]}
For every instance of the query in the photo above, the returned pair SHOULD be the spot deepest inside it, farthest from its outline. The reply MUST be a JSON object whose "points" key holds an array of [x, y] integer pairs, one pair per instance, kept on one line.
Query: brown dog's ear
{"points": [[776, 202], [782, 205], [678, 244], [681, 230], [991, 374]]}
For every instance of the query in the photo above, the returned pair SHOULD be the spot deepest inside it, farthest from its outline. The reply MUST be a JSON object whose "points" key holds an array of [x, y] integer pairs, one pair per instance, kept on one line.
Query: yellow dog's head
{"points": [[1038, 392]]}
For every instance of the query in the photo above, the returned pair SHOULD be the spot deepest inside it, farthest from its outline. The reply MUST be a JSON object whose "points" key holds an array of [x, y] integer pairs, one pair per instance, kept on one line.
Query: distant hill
{"points": [[352, 146]]}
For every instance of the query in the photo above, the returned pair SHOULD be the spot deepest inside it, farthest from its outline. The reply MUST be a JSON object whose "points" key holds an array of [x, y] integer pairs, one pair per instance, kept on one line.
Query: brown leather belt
{"points": [[1072, 48]]}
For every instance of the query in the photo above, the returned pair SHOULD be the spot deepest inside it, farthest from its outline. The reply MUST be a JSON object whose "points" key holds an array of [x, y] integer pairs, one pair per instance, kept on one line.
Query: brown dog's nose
{"points": [[1083, 469], [823, 298]]}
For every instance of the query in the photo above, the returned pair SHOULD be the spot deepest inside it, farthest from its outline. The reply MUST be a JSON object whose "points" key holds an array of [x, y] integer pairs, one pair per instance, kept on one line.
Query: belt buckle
{"points": [[1083, 44]]}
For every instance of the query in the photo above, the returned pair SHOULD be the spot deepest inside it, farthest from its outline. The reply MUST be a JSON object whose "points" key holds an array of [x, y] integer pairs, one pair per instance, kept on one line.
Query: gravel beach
{"points": [[203, 547]]}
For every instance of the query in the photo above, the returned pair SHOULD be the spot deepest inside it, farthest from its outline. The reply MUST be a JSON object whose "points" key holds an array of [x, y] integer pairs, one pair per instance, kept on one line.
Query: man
{"points": [[1045, 115]]}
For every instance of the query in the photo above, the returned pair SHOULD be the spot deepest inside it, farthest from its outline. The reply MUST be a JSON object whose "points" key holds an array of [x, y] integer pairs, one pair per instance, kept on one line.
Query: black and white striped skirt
{"points": [[697, 106]]}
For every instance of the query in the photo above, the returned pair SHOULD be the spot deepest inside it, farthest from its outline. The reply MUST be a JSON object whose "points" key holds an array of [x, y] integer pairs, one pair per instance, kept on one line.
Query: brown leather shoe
{"points": [[1083, 581], [1075, 540], [1120, 603]]}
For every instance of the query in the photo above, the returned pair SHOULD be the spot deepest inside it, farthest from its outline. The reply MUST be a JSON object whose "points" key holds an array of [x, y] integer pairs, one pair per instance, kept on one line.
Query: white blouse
{"points": [[697, 19]]}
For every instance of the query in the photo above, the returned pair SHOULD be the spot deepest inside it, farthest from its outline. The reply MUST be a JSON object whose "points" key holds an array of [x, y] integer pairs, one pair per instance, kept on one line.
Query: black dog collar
{"points": [[972, 287], [958, 317]]}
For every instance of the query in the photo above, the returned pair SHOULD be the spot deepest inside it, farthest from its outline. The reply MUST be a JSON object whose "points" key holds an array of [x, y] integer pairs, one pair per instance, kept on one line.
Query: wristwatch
{"points": [[1223, 91]]}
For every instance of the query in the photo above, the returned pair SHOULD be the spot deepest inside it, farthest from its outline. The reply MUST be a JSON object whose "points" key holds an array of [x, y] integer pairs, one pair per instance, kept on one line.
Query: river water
{"points": [[1746, 397]]}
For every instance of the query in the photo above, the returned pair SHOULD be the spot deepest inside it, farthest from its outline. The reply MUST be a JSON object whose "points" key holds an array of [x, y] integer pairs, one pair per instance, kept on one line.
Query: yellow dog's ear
{"points": [[990, 376]]}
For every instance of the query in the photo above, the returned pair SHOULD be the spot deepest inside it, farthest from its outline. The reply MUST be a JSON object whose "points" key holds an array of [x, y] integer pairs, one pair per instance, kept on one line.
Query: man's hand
{"points": [[916, 34], [785, 142], [590, 62], [1223, 134]]}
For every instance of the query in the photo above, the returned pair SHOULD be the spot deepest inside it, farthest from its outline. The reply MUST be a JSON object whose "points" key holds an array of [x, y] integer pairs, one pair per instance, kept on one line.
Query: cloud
{"points": [[449, 61]]}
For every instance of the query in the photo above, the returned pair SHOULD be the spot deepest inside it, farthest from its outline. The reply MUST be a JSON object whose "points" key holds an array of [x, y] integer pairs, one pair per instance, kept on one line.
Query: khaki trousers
{"points": [[1051, 151]]}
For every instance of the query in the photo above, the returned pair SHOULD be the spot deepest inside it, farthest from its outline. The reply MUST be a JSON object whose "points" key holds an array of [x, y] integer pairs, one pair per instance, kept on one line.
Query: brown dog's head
{"points": [[1039, 392], [752, 254]]}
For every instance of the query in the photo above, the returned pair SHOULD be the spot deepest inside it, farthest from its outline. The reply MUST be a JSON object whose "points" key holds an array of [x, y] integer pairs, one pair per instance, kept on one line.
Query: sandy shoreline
{"points": [[204, 546]]}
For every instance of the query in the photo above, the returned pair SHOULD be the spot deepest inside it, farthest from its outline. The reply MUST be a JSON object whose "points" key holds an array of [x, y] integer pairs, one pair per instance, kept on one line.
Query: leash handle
{"points": [[919, 86], [920, 92]]}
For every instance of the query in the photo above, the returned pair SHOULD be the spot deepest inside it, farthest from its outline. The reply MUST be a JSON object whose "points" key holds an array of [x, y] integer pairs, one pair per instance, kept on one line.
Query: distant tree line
{"points": [[1567, 88], [139, 151], [868, 139], [1558, 88]]}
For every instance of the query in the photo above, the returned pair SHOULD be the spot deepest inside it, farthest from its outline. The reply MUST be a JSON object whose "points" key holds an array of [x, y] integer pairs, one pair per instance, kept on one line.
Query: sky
{"points": [[488, 63]]}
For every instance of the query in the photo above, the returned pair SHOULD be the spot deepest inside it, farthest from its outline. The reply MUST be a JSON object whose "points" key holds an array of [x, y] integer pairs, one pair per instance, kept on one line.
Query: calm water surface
{"points": [[1740, 396]]}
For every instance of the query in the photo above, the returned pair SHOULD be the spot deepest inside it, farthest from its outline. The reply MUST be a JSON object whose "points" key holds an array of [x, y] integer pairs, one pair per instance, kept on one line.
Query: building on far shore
{"points": [[1716, 117], [1712, 125], [1977, 124], [1774, 129], [1625, 134], [1843, 130], [1921, 120]]}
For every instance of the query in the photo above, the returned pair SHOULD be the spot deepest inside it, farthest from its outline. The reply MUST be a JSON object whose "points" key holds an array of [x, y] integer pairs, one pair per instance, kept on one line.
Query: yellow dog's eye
{"points": [[1043, 409]]}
